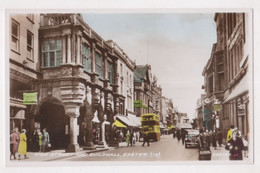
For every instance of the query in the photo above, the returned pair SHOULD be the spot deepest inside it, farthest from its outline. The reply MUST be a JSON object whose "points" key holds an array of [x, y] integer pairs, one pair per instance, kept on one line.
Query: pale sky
{"points": [[179, 48]]}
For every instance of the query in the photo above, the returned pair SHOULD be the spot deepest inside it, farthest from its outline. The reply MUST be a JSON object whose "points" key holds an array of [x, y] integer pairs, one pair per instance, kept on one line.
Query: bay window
{"points": [[86, 57], [52, 53]]}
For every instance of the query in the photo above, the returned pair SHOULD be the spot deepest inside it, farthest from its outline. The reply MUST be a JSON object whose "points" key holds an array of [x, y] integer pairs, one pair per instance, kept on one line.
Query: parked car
{"points": [[191, 139]]}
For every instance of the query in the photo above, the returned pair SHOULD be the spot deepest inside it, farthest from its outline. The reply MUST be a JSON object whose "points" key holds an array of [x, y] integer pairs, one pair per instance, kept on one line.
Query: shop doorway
{"points": [[53, 118]]}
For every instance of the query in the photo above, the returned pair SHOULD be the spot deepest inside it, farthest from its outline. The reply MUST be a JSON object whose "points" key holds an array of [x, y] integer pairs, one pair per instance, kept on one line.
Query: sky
{"points": [[176, 45]]}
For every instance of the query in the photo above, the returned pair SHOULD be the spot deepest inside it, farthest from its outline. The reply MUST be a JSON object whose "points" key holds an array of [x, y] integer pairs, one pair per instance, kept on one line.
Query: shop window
{"points": [[52, 53], [15, 43], [100, 65], [29, 45], [86, 57]]}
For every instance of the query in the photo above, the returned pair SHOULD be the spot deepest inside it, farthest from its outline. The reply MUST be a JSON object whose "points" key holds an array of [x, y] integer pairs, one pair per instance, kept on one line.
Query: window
{"points": [[110, 72], [52, 53], [86, 57], [221, 81], [29, 45], [127, 79], [211, 84], [232, 21], [121, 87], [100, 65], [15, 43]]}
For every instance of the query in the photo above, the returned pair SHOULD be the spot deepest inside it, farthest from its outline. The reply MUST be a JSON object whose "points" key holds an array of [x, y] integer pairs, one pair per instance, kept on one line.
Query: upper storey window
{"points": [[86, 57], [110, 72], [100, 65], [29, 45], [52, 53], [15, 43]]}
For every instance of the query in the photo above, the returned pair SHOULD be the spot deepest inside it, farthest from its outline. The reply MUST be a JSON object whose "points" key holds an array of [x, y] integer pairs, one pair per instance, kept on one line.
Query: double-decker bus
{"points": [[150, 124]]}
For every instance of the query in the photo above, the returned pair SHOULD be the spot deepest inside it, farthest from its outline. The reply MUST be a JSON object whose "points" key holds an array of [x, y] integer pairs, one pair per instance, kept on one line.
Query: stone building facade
{"points": [[76, 75], [142, 90], [23, 67], [227, 73]]}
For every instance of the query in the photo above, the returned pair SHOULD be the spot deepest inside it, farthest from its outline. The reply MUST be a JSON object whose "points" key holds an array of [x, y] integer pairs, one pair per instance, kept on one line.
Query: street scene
{"points": [[130, 87]]}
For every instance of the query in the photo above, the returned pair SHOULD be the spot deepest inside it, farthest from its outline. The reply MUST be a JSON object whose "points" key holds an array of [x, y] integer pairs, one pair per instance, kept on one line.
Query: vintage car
{"points": [[191, 139]]}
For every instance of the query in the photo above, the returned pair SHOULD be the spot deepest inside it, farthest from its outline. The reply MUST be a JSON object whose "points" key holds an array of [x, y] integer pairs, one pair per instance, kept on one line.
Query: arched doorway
{"points": [[53, 118]]}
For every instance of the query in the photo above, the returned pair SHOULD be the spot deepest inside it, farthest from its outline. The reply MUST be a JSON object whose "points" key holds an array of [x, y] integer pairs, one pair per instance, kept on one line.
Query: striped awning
{"points": [[118, 124]]}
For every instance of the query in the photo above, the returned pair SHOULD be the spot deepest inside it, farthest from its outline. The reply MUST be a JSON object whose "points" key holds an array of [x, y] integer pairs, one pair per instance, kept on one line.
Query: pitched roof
{"points": [[139, 73]]}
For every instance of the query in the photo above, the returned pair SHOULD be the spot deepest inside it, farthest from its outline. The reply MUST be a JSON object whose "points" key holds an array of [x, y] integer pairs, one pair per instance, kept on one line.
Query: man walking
{"points": [[146, 138]]}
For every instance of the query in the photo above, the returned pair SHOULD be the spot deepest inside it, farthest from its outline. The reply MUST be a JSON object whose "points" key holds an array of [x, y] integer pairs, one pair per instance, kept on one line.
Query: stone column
{"points": [[89, 145], [69, 49], [105, 66], [78, 49], [64, 50], [73, 112], [93, 65]]}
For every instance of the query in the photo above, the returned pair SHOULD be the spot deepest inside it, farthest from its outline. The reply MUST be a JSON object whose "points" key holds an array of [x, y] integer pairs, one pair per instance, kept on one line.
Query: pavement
{"points": [[221, 154], [54, 155], [218, 154]]}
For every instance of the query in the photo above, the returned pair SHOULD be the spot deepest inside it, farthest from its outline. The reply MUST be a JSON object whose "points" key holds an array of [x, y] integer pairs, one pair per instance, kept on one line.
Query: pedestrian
{"points": [[22, 149], [235, 146], [137, 136], [173, 134], [214, 140], [220, 138], [183, 137], [178, 135], [40, 141], [14, 141], [134, 137], [121, 136], [207, 138], [229, 133], [127, 138], [35, 141], [146, 138], [131, 138], [201, 139], [45, 140]]}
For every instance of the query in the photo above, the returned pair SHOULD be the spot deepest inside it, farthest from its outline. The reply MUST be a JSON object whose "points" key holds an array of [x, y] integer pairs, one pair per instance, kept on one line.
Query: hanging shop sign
{"points": [[217, 107], [30, 98]]}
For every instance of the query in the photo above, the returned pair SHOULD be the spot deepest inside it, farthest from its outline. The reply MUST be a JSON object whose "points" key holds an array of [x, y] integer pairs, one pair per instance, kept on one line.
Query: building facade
{"points": [[227, 72], [23, 67], [142, 90], [75, 75]]}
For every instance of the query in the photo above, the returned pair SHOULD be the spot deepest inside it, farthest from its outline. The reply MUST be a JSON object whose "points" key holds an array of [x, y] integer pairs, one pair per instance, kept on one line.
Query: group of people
{"points": [[235, 144], [211, 138], [18, 142], [131, 137]]}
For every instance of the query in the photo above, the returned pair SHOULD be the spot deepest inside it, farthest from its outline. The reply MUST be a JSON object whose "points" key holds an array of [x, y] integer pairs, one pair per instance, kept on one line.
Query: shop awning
{"points": [[184, 126], [124, 120], [134, 119], [241, 88], [118, 124]]}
